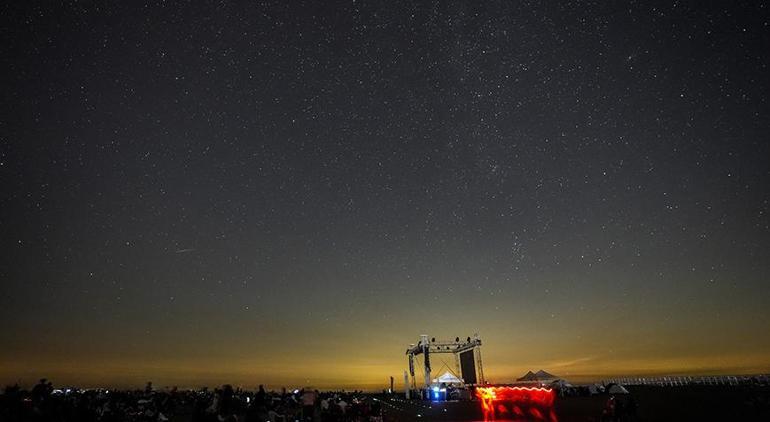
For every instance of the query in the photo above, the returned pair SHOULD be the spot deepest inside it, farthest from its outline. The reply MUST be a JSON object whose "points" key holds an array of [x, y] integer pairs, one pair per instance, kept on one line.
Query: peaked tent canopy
{"points": [[448, 378], [529, 376], [540, 375], [616, 389]]}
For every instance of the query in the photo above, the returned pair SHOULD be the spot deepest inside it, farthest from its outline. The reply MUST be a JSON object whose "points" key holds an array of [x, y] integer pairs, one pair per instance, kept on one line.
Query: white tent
{"points": [[447, 378], [560, 384], [616, 389]]}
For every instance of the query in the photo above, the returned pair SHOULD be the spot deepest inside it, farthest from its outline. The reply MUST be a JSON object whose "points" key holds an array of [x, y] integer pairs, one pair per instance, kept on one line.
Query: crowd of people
{"points": [[44, 403], [619, 408]]}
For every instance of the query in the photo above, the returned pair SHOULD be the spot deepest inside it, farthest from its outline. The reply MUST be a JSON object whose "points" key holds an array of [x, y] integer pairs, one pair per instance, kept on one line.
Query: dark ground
{"points": [[692, 403], [685, 403]]}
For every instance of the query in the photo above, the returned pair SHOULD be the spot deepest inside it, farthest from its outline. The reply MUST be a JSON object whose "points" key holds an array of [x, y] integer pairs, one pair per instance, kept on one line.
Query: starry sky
{"points": [[290, 193]]}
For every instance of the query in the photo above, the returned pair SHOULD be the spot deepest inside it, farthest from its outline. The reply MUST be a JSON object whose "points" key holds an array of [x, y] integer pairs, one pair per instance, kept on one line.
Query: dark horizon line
{"points": [[384, 386]]}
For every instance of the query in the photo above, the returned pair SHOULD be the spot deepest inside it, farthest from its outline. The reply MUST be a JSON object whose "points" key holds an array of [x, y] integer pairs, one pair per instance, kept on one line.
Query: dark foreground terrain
{"points": [[651, 403], [687, 403]]}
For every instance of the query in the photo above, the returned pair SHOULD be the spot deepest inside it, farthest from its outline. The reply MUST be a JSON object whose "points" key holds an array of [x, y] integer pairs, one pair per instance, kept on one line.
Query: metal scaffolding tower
{"points": [[467, 355]]}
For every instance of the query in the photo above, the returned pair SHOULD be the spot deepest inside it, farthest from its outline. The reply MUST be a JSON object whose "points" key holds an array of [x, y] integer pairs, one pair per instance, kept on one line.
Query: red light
{"points": [[531, 402]]}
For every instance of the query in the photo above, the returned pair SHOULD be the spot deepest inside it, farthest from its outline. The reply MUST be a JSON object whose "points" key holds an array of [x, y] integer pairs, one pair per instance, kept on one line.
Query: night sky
{"points": [[292, 192]]}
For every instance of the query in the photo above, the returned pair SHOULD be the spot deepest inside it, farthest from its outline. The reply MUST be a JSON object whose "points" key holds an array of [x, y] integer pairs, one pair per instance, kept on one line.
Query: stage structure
{"points": [[467, 353]]}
